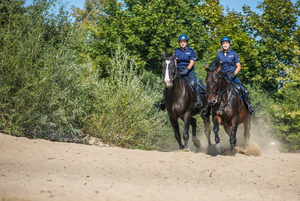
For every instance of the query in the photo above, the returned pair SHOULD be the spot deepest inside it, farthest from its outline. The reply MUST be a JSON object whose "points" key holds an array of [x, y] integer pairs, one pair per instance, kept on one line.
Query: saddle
{"points": [[192, 84], [238, 87], [199, 82]]}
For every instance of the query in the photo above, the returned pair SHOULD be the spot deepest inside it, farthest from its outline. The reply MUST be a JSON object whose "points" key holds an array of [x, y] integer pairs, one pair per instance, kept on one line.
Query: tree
{"points": [[146, 28], [276, 32]]}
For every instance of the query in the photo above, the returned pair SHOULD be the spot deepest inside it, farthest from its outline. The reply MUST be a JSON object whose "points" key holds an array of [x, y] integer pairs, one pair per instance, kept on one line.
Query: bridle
{"points": [[219, 92]]}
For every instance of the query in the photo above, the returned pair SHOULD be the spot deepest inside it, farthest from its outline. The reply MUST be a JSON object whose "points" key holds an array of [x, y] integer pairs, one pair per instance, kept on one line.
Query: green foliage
{"points": [[286, 109], [276, 32], [40, 88], [122, 107], [146, 28]]}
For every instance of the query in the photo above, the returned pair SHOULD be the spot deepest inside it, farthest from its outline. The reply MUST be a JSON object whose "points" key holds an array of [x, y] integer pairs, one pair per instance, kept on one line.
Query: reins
{"points": [[219, 94]]}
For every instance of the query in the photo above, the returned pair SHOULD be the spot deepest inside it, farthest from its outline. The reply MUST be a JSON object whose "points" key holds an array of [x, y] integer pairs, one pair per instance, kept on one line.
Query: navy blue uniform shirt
{"points": [[183, 57], [229, 62]]}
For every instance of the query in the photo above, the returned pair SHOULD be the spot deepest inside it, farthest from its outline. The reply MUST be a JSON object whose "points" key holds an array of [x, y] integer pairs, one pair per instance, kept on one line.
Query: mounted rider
{"points": [[184, 61], [230, 68]]}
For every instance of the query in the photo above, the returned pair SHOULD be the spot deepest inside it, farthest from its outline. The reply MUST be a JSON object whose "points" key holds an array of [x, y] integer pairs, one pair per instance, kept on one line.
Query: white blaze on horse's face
{"points": [[167, 77]]}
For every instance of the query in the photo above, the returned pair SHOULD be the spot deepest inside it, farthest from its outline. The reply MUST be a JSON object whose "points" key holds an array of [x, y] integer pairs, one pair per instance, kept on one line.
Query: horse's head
{"points": [[213, 81], [168, 69]]}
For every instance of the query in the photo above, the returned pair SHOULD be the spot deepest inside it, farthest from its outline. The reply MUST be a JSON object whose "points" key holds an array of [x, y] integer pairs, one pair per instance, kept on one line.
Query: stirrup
{"points": [[198, 104], [160, 105], [252, 109]]}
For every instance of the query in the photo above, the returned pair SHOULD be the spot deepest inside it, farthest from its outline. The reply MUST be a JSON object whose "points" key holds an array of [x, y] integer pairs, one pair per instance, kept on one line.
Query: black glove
{"points": [[231, 75], [185, 72]]}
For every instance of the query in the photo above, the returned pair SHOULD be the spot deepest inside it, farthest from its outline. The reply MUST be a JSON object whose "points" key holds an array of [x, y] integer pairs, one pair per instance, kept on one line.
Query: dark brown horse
{"points": [[179, 102], [228, 109]]}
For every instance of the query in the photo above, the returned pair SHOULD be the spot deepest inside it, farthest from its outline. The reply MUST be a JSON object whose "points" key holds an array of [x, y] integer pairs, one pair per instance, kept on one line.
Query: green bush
{"points": [[45, 93], [41, 88], [122, 109]]}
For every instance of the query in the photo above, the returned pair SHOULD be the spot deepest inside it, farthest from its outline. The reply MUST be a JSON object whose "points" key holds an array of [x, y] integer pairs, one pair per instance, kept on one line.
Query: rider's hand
{"points": [[231, 75], [185, 72]]}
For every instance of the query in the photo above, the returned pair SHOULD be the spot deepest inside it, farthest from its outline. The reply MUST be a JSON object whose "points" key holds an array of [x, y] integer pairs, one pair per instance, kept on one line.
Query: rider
{"points": [[184, 61], [230, 59]]}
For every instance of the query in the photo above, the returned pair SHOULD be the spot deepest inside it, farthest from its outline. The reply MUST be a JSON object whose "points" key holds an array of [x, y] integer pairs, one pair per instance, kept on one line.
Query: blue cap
{"points": [[183, 37], [225, 38]]}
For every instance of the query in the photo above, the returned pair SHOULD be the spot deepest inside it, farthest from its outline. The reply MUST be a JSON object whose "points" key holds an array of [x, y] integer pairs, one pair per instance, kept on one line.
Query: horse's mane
{"points": [[169, 57], [214, 65]]}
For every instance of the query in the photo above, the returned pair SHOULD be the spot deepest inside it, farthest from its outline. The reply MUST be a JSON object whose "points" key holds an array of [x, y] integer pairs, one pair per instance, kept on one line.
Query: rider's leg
{"points": [[161, 104], [246, 98], [197, 89], [245, 95]]}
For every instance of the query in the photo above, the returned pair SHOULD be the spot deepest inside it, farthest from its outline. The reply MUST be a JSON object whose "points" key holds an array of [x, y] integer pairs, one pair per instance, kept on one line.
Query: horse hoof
{"points": [[219, 148], [197, 143]]}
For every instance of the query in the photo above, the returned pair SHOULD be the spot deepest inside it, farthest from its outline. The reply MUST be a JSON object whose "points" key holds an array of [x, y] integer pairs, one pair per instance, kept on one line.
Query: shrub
{"points": [[122, 108], [41, 88]]}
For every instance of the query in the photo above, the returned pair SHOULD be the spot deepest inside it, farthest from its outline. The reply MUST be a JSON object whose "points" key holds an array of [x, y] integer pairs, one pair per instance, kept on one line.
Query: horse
{"points": [[228, 108], [179, 103]]}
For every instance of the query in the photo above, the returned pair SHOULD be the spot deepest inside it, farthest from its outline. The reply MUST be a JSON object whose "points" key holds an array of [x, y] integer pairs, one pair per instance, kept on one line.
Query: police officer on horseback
{"points": [[184, 61], [230, 67]]}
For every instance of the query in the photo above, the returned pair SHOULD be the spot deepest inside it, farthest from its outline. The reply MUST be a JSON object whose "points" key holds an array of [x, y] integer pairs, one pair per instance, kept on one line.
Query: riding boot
{"points": [[198, 102], [246, 98], [161, 104]]}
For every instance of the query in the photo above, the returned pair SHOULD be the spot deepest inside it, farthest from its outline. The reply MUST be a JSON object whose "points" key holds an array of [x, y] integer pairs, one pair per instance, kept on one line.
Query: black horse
{"points": [[179, 102], [228, 108]]}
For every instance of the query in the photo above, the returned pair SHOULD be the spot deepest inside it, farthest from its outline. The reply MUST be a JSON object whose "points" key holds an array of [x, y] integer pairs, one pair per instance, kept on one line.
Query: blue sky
{"points": [[232, 4], [235, 5]]}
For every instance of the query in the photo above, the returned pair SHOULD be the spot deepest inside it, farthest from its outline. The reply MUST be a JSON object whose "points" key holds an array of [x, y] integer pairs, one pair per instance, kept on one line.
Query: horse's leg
{"points": [[233, 135], [218, 145], [247, 130], [194, 137], [228, 130], [174, 123], [206, 122], [187, 121]]}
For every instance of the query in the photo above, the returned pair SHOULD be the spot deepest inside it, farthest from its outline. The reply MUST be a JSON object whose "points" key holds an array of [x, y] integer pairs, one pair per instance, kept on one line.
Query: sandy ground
{"points": [[44, 170]]}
